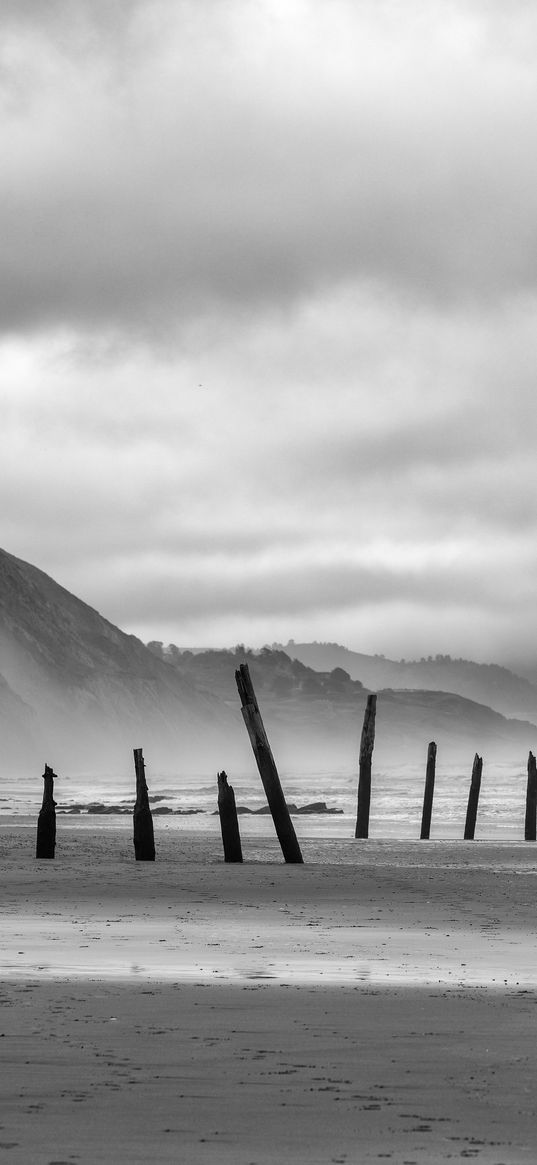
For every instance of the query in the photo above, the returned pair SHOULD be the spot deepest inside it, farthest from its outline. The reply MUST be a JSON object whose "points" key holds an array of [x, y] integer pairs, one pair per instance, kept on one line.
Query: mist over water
{"points": [[396, 801]]}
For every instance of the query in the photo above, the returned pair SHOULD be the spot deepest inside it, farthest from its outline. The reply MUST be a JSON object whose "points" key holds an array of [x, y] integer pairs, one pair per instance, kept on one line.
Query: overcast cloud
{"points": [[268, 317]]}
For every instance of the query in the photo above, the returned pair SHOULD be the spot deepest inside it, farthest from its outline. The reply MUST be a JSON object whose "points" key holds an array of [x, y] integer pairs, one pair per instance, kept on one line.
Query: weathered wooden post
{"points": [[229, 822], [46, 822], [364, 782], [428, 793], [473, 798], [267, 767], [530, 823], [144, 839]]}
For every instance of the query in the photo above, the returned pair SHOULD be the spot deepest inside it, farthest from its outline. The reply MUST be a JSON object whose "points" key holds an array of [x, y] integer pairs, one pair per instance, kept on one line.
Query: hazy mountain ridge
{"points": [[312, 714], [78, 692], [498, 687], [88, 693]]}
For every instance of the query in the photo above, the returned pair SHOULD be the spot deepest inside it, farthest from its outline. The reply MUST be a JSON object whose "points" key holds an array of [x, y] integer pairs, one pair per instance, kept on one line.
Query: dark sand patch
{"points": [[121, 1072]]}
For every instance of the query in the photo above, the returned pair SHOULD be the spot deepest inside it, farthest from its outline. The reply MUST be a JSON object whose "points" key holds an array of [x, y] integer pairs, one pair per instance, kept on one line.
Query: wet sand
{"points": [[378, 1003]]}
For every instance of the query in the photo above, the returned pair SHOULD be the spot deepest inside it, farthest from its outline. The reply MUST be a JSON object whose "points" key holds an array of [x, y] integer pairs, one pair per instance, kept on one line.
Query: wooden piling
{"points": [[473, 798], [46, 822], [530, 823], [364, 782], [428, 793], [144, 839], [229, 822], [267, 766]]}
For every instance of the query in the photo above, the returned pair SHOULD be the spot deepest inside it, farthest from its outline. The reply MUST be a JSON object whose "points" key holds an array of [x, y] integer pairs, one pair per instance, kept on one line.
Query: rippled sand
{"points": [[376, 1003]]}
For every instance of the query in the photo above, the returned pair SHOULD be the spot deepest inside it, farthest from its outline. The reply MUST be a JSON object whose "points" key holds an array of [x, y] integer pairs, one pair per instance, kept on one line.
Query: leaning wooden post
{"points": [[267, 767], [473, 798], [46, 822], [364, 783], [229, 822], [428, 793], [144, 839], [530, 823]]}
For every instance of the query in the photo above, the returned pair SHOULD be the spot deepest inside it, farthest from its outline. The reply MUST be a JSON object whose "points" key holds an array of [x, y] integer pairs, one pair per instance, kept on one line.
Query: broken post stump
{"points": [[267, 767], [229, 822], [530, 823], [428, 793], [473, 798], [144, 839], [46, 822], [364, 782]]}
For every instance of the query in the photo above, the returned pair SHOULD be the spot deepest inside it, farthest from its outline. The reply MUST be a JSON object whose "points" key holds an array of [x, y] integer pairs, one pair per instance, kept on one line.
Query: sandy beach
{"points": [[377, 1003]]}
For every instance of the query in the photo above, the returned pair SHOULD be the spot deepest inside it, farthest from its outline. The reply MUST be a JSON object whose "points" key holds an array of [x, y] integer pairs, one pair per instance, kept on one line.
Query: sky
{"points": [[268, 343]]}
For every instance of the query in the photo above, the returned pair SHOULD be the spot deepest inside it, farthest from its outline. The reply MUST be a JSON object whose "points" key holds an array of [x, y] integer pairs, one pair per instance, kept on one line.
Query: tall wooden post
{"points": [[144, 840], [229, 822], [46, 822], [473, 798], [428, 793], [364, 782], [530, 823], [267, 767]]}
